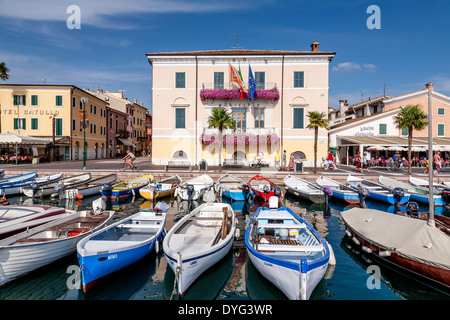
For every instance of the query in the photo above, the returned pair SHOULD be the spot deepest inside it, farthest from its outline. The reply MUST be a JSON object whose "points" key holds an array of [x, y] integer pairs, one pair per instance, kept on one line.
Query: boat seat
{"points": [[139, 226], [288, 248]]}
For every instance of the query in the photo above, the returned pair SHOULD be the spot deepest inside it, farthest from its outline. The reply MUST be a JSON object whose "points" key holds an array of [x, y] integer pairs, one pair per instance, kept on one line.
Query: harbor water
{"points": [[356, 276]]}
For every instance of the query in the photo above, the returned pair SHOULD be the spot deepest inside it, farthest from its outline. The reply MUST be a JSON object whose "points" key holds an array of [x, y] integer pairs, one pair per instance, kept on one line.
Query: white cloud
{"points": [[101, 13], [370, 67], [346, 66]]}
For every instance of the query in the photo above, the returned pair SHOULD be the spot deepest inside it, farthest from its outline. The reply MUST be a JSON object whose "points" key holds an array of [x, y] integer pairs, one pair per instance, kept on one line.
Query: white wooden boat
{"points": [[44, 244], [90, 188], [425, 184], [340, 191], [15, 188], [377, 191], [234, 188], [195, 188], [47, 189], [119, 245], [412, 245], [417, 193], [304, 189], [162, 188], [287, 251], [198, 241], [16, 218]]}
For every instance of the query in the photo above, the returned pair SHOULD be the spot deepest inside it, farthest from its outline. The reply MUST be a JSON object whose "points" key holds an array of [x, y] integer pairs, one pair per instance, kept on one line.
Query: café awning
{"points": [[12, 138], [125, 142]]}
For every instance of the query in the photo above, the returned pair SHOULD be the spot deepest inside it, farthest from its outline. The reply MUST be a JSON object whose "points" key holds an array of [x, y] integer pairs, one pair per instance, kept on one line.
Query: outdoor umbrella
{"points": [[12, 138], [418, 149], [396, 148], [376, 148]]}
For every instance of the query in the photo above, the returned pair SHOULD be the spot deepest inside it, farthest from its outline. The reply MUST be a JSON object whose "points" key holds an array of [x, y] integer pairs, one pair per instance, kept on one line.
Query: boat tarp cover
{"points": [[409, 237]]}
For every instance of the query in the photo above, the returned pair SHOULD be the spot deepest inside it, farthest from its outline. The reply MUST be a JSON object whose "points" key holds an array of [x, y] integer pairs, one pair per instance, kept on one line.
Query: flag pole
{"points": [[430, 162]]}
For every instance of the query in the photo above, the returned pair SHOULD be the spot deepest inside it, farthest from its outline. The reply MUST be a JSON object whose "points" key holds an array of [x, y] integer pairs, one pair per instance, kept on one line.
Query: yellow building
{"points": [[56, 112]]}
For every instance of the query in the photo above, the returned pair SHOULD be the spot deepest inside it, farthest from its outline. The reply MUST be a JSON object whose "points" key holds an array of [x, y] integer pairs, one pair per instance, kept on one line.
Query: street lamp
{"points": [[83, 101]]}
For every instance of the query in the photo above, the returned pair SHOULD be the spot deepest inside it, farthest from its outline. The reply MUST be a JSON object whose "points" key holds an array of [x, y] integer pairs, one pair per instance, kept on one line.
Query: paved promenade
{"points": [[101, 167]]}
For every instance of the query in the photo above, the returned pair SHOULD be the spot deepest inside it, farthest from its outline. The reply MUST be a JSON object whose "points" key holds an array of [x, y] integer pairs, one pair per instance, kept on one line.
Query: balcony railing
{"points": [[232, 85]]}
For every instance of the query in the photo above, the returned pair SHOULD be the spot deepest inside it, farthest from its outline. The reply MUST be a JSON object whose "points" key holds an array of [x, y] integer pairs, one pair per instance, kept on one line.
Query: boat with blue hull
{"points": [[340, 191], [418, 194], [119, 245], [234, 188], [379, 192], [17, 181], [15, 187], [287, 251]]}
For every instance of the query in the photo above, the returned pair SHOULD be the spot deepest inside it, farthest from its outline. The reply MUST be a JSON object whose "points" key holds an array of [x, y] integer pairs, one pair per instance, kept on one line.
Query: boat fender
{"points": [[386, 253], [398, 193], [175, 194], [355, 240], [157, 246], [332, 260], [366, 249], [237, 233]]}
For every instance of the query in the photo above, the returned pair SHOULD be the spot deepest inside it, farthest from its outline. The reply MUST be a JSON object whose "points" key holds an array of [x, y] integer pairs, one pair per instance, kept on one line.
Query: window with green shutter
{"points": [[405, 131], [219, 80], [298, 115], [58, 101], [260, 80], [299, 79], [441, 129], [180, 80], [58, 127], [383, 128], [19, 100], [441, 111], [34, 124], [34, 100], [19, 124], [180, 118]]}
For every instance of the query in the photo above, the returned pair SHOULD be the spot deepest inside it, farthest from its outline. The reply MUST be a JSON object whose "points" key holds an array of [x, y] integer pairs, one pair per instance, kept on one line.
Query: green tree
{"points": [[4, 71], [221, 119], [411, 117], [316, 120]]}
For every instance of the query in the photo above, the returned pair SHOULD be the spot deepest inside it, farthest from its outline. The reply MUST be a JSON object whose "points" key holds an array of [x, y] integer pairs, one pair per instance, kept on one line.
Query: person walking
{"points": [[284, 160], [436, 163], [427, 166], [358, 161], [331, 160], [277, 160], [365, 164]]}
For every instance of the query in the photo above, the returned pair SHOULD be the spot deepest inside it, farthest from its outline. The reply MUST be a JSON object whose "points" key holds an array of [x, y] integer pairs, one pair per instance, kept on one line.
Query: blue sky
{"points": [[411, 48]]}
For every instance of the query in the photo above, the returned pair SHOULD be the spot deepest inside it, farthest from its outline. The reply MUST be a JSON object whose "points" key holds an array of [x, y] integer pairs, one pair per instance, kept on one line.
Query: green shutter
{"points": [[34, 100], [59, 101], [180, 118], [15, 124], [441, 129], [299, 79], [383, 128], [34, 124], [405, 131], [298, 118], [58, 127], [180, 80], [15, 100], [441, 111]]}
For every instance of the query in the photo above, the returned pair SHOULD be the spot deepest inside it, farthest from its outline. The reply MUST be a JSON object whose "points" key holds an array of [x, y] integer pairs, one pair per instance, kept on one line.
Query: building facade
{"points": [[379, 130], [56, 112], [187, 86]]}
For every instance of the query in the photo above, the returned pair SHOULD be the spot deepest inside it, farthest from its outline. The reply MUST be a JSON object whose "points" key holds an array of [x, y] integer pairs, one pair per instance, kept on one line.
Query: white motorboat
{"points": [[195, 188]]}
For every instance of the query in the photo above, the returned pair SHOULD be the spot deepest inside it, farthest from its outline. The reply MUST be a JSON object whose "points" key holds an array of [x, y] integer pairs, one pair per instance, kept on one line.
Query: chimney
{"points": [[430, 85], [315, 46], [135, 101], [343, 106]]}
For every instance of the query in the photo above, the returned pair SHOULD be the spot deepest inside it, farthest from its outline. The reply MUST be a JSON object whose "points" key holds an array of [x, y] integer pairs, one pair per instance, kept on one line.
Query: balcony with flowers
{"points": [[209, 92], [232, 137]]}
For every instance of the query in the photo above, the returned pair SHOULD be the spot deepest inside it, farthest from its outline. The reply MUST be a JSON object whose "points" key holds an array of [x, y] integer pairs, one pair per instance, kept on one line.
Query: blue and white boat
{"points": [[16, 187], [341, 191], [198, 241], [287, 251], [419, 194], [379, 192], [119, 245], [234, 188], [12, 185]]}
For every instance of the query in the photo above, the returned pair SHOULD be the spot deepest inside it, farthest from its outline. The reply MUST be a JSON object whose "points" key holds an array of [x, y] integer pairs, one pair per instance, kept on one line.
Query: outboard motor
{"points": [[412, 208], [266, 189], [363, 193], [277, 192], [246, 191], [59, 188], [445, 196], [107, 190], [35, 188], [399, 193], [328, 193], [190, 191]]}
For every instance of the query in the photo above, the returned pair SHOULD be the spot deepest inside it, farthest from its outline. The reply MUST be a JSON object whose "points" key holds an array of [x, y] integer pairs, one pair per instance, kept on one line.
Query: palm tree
{"points": [[4, 71], [316, 120], [220, 119], [411, 117]]}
